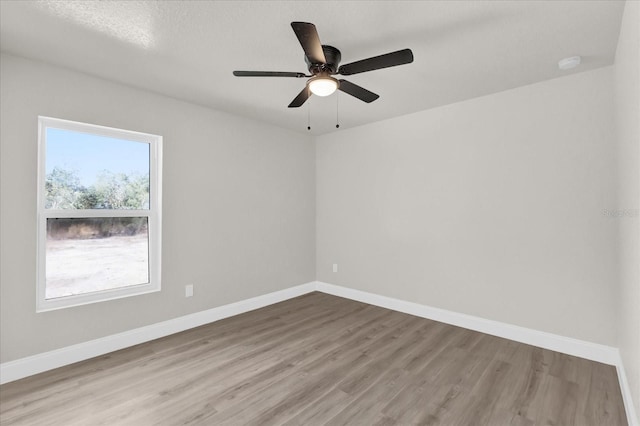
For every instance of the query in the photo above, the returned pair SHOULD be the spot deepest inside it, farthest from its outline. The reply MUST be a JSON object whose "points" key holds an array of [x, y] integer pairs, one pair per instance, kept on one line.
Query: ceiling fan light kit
{"points": [[322, 62], [323, 85]]}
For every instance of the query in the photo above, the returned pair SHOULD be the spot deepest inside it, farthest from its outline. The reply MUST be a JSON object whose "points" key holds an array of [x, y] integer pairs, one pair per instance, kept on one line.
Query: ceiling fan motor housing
{"points": [[332, 55]]}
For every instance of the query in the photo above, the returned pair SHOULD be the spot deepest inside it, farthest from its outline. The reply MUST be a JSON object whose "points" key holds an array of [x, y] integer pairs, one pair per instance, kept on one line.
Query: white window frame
{"points": [[153, 214]]}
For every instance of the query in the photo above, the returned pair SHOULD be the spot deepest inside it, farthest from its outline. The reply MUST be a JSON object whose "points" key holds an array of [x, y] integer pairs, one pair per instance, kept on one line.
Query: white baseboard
{"points": [[580, 348], [630, 409], [24, 367], [554, 342]]}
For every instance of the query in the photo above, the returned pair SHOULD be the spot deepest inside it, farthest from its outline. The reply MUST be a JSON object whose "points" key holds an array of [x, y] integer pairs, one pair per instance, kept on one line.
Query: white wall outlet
{"points": [[335, 267], [188, 290]]}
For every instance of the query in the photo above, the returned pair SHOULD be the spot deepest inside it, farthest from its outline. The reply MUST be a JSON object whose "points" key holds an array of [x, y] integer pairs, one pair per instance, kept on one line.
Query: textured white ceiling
{"points": [[188, 49]]}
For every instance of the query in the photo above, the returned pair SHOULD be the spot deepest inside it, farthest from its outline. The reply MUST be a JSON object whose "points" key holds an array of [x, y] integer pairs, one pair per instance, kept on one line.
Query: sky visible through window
{"points": [[88, 155]]}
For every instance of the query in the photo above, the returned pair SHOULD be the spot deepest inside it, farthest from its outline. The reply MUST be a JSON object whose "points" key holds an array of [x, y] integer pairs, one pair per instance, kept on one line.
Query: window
{"points": [[99, 204]]}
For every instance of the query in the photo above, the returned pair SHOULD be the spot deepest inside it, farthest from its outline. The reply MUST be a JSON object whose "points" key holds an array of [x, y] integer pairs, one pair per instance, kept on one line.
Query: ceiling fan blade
{"points": [[268, 74], [357, 91], [308, 37], [301, 98], [392, 59]]}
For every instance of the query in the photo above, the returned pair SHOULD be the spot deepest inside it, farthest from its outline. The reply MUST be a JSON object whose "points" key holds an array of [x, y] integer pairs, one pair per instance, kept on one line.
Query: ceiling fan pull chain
{"points": [[337, 111], [308, 115]]}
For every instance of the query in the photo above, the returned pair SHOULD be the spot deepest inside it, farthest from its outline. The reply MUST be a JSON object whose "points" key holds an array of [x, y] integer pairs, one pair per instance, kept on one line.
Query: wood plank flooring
{"points": [[321, 360]]}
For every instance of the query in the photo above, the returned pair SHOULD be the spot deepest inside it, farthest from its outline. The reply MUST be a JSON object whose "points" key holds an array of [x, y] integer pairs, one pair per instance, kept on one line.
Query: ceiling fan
{"points": [[322, 62]]}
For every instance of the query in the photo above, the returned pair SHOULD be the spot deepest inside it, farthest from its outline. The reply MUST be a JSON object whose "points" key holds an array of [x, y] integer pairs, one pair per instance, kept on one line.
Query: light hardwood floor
{"points": [[319, 359]]}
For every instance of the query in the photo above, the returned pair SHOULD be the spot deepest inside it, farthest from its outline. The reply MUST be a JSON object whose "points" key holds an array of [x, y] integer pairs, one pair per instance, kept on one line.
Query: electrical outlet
{"points": [[188, 290], [335, 267]]}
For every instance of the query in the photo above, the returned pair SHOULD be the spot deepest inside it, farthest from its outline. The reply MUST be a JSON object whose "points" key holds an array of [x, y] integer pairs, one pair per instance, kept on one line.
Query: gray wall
{"points": [[627, 95], [491, 207], [238, 205]]}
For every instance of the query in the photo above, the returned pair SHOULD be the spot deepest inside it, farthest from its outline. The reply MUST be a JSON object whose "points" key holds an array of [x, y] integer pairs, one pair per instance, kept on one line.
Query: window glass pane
{"points": [[86, 171], [86, 255]]}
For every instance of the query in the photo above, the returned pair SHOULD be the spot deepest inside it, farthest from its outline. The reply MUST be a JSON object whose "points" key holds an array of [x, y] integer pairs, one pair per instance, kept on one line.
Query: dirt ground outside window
{"points": [[78, 266]]}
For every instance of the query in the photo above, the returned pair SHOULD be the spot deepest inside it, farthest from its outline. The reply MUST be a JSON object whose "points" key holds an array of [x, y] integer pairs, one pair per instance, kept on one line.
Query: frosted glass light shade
{"points": [[323, 86]]}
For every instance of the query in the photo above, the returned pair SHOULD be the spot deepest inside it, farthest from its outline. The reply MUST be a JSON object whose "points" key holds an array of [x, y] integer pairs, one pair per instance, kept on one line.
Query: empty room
{"points": [[320, 212]]}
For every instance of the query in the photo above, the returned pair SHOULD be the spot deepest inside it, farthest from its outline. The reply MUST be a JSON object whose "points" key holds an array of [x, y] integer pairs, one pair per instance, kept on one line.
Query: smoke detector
{"points": [[569, 63]]}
